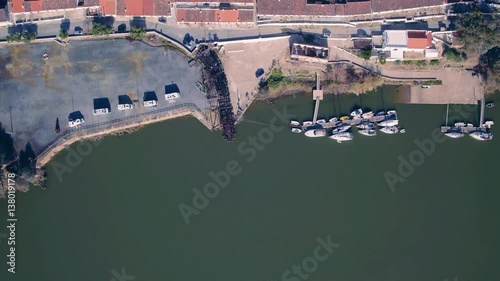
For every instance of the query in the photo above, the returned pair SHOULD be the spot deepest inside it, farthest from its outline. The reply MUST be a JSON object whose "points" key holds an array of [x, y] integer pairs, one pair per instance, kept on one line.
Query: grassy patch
{"points": [[428, 82]]}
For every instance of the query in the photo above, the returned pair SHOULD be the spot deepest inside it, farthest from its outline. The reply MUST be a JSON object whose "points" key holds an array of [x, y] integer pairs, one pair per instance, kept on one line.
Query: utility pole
{"points": [[11, 126]]}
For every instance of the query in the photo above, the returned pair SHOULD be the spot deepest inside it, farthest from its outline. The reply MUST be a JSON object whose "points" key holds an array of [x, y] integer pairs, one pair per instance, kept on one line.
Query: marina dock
{"points": [[468, 129]]}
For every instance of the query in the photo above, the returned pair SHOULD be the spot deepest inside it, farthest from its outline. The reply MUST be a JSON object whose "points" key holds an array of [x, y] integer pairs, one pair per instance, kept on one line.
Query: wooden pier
{"points": [[355, 122], [466, 129]]}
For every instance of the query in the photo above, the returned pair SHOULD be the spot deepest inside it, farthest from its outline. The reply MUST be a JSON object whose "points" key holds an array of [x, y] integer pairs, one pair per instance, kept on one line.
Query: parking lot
{"points": [[34, 92]]}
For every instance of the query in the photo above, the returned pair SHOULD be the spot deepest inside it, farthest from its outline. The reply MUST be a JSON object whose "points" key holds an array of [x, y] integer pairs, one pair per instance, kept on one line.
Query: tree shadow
{"points": [[65, 24], [110, 21], [122, 28], [150, 95], [138, 22]]}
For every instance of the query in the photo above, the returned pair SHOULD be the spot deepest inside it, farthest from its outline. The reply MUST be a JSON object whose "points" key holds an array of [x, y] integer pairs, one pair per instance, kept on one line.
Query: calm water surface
{"points": [[120, 207]]}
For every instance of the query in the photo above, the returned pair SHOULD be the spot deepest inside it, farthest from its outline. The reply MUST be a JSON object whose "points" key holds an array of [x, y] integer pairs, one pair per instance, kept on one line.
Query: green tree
{"points": [[63, 34], [27, 37], [407, 62], [366, 53], [137, 32], [15, 37], [453, 54], [7, 151], [382, 60], [434, 62], [478, 31], [101, 29], [421, 63]]}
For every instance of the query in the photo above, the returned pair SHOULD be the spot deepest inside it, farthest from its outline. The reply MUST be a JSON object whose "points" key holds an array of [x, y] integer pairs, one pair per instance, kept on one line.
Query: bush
{"points": [[276, 78], [382, 60], [63, 34], [434, 62], [16, 37], [28, 37], [25, 37], [101, 29], [421, 63], [137, 32], [407, 62], [366, 54], [453, 55]]}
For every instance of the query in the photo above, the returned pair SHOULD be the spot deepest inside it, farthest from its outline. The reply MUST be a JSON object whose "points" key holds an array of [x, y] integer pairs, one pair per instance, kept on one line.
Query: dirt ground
{"points": [[241, 61]]}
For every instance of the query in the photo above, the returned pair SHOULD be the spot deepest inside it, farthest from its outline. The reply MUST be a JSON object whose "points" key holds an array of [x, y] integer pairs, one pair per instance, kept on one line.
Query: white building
{"points": [[125, 106], [150, 103], [397, 42]]}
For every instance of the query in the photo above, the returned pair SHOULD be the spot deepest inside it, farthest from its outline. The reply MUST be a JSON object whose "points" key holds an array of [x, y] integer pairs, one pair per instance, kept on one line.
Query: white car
{"points": [[425, 86]]}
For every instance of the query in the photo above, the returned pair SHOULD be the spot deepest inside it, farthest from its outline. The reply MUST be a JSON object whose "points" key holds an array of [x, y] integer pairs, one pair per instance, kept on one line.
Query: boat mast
{"points": [[447, 108]]}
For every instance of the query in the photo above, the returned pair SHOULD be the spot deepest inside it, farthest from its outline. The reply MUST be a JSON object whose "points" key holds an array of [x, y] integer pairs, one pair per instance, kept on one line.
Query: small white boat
{"points": [[460, 124], [333, 120], [389, 123], [340, 137], [488, 124], [482, 136], [470, 125], [390, 130], [380, 113], [454, 135], [391, 112], [296, 130], [357, 112], [366, 125], [315, 133], [307, 123], [368, 132], [367, 115], [294, 123], [490, 105], [341, 129], [402, 131], [321, 121], [343, 118]]}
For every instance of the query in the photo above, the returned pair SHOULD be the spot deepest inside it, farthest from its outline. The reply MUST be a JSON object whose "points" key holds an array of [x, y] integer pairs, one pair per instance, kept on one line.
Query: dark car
{"points": [[162, 19], [259, 72]]}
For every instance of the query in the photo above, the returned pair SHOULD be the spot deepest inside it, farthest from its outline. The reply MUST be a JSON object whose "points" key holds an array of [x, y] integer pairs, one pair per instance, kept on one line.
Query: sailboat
{"points": [[454, 132]]}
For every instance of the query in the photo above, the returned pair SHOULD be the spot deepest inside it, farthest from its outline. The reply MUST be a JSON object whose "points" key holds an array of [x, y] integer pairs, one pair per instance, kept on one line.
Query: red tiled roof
{"points": [[17, 6], [419, 39], [133, 7], [388, 5], [108, 6], [226, 15], [33, 5], [58, 4], [89, 3], [300, 7], [148, 8], [245, 16], [162, 7], [223, 1], [195, 15], [120, 7]]}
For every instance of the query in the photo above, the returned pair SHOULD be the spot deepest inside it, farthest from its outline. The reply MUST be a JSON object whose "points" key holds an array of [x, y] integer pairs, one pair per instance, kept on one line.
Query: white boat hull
{"points": [[357, 112], [307, 123], [315, 133], [294, 123], [367, 115], [482, 136], [296, 130], [340, 137], [389, 123], [368, 132], [390, 130], [341, 129]]}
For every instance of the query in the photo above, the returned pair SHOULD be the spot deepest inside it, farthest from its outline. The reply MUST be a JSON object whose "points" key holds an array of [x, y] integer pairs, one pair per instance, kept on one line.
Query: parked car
{"points": [[78, 31], [162, 19], [259, 72], [425, 86]]}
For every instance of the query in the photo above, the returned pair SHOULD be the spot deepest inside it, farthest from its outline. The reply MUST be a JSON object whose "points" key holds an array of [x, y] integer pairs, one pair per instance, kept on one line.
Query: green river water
{"points": [[119, 208]]}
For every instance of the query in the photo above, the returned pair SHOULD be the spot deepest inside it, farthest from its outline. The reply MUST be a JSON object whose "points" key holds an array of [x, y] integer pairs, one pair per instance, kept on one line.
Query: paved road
{"points": [[51, 28]]}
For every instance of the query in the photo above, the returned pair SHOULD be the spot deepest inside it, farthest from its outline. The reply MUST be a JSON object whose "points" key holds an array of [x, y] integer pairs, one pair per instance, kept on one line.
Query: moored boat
{"points": [[380, 113], [402, 131], [367, 115], [490, 105], [340, 137], [366, 125], [296, 130], [307, 123], [460, 124], [357, 112], [482, 136], [368, 132], [343, 118], [388, 123], [390, 130], [391, 112], [294, 123], [321, 121], [315, 133], [454, 134], [333, 120], [341, 128], [470, 125]]}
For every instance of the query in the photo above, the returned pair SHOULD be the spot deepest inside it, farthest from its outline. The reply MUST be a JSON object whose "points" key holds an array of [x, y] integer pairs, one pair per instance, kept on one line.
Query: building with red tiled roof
{"points": [[389, 5], [213, 15], [17, 6], [302, 8], [419, 39], [33, 5], [58, 4], [163, 7], [108, 7]]}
